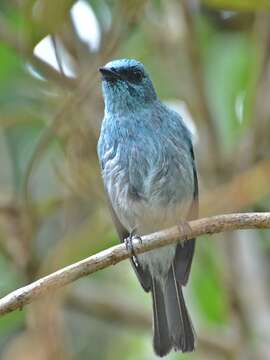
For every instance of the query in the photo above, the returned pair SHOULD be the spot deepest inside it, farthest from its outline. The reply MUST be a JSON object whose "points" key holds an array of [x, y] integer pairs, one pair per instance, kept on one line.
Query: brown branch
{"points": [[27, 294]]}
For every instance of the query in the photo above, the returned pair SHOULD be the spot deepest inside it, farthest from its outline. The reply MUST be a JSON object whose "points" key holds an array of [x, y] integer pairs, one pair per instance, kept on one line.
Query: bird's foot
{"points": [[184, 229], [129, 245]]}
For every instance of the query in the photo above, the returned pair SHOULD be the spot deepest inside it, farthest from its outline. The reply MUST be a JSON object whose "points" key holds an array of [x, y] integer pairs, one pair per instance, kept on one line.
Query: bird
{"points": [[148, 168]]}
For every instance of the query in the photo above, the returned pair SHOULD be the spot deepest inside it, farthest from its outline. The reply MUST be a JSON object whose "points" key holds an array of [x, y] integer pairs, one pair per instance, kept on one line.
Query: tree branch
{"points": [[215, 224]]}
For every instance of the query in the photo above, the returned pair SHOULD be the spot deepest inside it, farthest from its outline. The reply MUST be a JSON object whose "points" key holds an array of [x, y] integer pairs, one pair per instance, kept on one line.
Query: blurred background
{"points": [[210, 60]]}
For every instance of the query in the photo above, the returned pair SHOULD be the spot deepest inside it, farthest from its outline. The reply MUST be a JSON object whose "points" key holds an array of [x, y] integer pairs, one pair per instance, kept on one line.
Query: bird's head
{"points": [[126, 86]]}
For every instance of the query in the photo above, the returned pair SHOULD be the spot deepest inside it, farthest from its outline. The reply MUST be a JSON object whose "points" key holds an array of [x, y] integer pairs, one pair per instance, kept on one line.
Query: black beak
{"points": [[108, 74]]}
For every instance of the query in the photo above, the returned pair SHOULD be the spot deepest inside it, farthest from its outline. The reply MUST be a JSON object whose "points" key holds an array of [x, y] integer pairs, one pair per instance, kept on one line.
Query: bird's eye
{"points": [[134, 76]]}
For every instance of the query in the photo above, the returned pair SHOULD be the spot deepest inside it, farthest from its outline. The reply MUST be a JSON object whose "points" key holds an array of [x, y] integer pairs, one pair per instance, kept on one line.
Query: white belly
{"points": [[147, 219]]}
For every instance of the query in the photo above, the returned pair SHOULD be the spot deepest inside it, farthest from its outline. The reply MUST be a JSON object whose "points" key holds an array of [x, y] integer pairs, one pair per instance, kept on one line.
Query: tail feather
{"points": [[161, 341], [179, 323]]}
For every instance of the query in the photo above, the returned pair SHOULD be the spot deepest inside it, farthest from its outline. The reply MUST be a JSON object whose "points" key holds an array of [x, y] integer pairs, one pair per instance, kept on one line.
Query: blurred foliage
{"points": [[231, 102], [211, 55], [239, 5]]}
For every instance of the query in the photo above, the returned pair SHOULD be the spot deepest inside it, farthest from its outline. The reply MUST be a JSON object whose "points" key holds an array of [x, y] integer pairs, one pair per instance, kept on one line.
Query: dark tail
{"points": [[179, 323], [161, 341], [172, 324]]}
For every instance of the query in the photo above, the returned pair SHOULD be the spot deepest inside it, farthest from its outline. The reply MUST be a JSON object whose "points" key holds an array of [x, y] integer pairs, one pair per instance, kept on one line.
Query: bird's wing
{"points": [[142, 274], [184, 253]]}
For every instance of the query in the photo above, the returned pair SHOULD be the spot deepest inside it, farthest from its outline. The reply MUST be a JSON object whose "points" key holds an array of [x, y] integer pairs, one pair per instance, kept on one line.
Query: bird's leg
{"points": [[129, 245], [184, 229]]}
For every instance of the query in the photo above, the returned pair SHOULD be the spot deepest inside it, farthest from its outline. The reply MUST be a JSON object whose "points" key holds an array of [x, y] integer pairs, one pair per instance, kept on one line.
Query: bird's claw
{"points": [[129, 245], [184, 229]]}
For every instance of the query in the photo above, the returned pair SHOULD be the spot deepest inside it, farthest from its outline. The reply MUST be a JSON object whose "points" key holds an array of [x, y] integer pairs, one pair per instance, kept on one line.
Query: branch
{"points": [[215, 224]]}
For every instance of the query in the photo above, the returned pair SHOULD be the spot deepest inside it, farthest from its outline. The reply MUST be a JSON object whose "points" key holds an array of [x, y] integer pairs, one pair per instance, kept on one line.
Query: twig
{"points": [[57, 54], [27, 294]]}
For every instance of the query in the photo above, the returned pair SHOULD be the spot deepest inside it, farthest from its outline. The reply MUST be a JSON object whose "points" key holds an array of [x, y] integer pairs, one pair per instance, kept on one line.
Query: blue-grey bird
{"points": [[148, 168]]}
